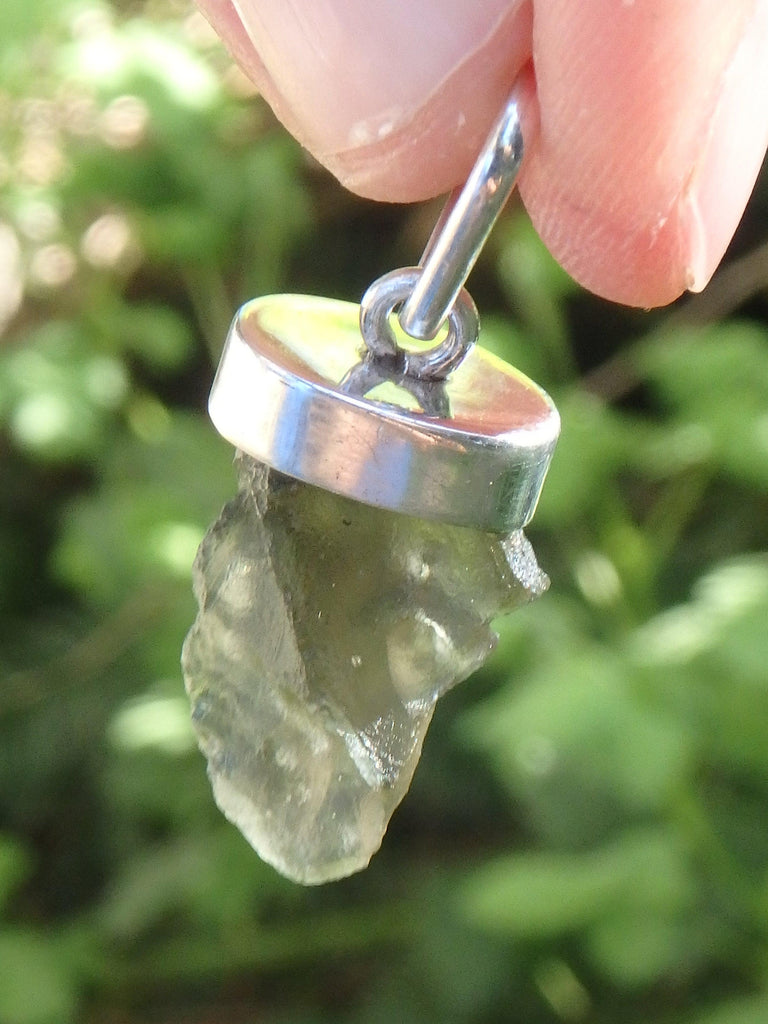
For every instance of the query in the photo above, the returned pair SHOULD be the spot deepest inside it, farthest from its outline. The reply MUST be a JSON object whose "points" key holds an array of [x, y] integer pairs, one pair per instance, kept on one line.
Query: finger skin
{"points": [[647, 155], [396, 108], [645, 120]]}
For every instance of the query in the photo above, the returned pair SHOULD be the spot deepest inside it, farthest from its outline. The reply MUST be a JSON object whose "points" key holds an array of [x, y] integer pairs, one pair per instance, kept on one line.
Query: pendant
{"points": [[384, 482]]}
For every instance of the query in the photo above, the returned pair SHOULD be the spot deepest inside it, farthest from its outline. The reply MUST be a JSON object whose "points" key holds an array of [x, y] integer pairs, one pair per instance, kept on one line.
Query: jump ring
{"points": [[380, 301]]}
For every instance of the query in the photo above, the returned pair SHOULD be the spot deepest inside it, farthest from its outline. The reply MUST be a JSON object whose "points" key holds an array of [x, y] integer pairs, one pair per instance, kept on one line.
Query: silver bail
{"points": [[464, 226], [434, 292]]}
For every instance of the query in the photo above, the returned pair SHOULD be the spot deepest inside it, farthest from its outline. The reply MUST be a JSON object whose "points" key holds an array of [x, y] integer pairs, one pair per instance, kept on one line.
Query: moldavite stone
{"points": [[327, 630]]}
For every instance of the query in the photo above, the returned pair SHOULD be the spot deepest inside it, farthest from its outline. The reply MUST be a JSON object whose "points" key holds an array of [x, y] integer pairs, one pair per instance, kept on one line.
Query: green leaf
{"points": [[576, 741], [213, 878], [505, 339], [536, 286], [20, 24], [540, 895], [716, 381], [115, 56], [751, 1010], [35, 983], [712, 652], [157, 334], [60, 391], [14, 867], [595, 442], [638, 949], [157, 500]]}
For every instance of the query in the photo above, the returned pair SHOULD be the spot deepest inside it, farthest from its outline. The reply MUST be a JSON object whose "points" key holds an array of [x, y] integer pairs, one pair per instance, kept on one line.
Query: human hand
{"points": [[645, 122]]}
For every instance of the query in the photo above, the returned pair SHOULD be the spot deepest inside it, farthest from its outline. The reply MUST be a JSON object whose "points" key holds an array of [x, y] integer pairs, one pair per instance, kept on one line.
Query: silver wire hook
{"points": [[464, 226], [434, 291]]}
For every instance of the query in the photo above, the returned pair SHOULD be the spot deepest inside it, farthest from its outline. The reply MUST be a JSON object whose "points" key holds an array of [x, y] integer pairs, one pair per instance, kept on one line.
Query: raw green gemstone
{"points": [[327, 630]]}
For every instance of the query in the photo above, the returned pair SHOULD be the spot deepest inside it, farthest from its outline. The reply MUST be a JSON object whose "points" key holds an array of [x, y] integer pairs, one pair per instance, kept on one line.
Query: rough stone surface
{"points": [[327, 630]]}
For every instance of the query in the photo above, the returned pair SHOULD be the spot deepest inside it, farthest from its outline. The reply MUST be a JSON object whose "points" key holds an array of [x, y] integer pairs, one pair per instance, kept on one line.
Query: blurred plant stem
{"points": [[87, 659], [730, 288], [208, 294], [328, 935], [673, 510]]}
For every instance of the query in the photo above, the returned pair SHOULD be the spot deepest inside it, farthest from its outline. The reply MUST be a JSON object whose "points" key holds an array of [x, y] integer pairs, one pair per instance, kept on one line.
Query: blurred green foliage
{"points": [[587, 835]]}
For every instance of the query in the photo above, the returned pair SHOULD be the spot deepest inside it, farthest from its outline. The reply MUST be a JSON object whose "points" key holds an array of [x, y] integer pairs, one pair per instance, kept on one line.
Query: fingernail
{"points": [[699, 265], [730, 158]]}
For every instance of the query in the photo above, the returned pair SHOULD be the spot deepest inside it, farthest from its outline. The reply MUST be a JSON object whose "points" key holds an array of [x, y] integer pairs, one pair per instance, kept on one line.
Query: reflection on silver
{"points": [[279, 396]]}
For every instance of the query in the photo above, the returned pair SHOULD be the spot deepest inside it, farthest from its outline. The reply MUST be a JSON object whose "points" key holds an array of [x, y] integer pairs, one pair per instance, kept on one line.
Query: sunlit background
{"points": [[587, 835]]}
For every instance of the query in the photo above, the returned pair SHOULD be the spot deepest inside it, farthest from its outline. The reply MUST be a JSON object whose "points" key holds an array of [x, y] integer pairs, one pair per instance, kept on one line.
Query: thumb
{"points": [[394, 100]]}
